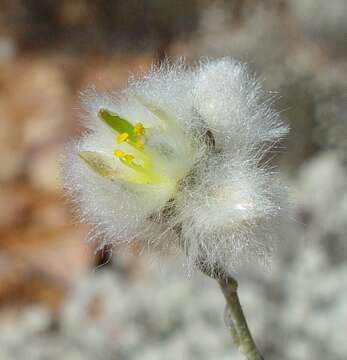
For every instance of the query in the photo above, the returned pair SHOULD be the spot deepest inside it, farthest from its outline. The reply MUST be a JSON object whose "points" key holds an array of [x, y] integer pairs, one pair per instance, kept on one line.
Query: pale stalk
{"points": [[240, 332], [238, 327]]}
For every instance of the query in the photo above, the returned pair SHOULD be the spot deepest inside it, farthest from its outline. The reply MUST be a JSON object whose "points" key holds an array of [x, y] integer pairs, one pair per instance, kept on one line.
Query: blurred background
{"points": [[60, 300]]}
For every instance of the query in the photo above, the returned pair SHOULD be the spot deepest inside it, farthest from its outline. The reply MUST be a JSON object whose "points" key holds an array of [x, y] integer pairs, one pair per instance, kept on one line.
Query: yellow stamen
{"points": [[128, 157], [139, 129], [123, 156], [119, 153], [122, 137]]}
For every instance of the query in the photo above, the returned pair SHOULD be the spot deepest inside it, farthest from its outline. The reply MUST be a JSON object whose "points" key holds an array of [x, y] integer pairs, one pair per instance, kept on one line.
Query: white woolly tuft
{"points": [[231, 215], [219, 202], [234, 105]]}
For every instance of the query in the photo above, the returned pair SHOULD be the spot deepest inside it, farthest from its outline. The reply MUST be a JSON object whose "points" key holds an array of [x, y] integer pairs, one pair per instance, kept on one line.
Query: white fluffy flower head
{"points": [[175, 160]]}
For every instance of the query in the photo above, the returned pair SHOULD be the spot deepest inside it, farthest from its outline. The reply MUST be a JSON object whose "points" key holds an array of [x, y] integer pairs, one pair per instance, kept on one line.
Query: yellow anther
{"points": [[139, 129], [123, 156], [128, 157], [119, 153], [122, 137]]}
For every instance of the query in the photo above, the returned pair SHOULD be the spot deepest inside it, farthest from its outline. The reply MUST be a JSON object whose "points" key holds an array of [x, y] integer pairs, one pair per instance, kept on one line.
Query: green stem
{"points": [[239, 329]]}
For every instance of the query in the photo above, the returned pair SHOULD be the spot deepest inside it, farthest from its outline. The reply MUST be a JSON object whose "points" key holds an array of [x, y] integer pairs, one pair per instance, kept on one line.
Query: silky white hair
{"points": [[226, 201]]}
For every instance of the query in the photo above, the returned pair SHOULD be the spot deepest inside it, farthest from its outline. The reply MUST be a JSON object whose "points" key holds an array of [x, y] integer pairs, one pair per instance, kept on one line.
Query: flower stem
{"points": [[240, 333]]}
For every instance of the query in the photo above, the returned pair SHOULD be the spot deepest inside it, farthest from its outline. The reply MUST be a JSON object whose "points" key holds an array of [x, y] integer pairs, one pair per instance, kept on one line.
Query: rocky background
{"points": [[60, 300]]}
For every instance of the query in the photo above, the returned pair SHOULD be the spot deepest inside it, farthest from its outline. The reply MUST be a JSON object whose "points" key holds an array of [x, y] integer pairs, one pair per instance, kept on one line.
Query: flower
{"points": [[176, 159]]}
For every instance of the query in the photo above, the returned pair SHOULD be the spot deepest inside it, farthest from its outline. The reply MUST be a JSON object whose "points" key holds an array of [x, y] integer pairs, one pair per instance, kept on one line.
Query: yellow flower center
{"points": [[138, 167], [141, 165]]}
